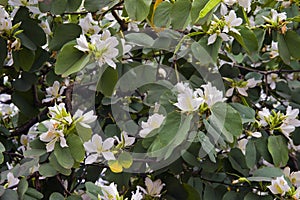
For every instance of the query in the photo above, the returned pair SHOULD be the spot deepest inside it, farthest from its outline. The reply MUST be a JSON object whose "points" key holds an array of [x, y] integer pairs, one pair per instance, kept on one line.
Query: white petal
{"points": [[91, 159]]}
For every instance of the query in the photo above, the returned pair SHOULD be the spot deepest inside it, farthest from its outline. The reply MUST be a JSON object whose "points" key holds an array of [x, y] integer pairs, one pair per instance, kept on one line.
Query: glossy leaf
{"points": [[76, 147], [278, 149], [180, 14], [63, 156], [137, 10]]}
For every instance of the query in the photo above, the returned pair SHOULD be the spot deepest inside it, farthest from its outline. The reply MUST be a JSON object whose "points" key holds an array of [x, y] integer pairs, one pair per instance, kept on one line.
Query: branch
{"points": [[122, 23], [68, 99], [278, 71], [29, 124]]}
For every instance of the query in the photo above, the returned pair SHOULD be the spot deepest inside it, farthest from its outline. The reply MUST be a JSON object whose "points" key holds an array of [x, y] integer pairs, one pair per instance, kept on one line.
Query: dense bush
{"points": [[149, 99]]}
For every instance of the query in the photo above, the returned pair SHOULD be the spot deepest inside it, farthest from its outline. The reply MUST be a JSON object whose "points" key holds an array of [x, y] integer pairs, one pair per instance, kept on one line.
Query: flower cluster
{"points": [[190, 100]]}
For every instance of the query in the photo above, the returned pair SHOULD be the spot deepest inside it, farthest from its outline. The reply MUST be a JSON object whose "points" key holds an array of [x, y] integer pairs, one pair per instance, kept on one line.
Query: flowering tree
{"points": [[149, 99]]}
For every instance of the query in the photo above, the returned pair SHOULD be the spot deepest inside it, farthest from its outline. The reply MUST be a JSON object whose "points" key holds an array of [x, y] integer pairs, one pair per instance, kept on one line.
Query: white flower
{"points": [[137, 195], [125, 139], [54, 92], [181, 87], [154, 121], [242, 88], [264, 115], [231, 22], [212, 38], [96, 148], [53, 135], [46, 27], [11, 180], [5, 21], [188, 101], [211, 95], [272, 79], [290, 122], [153, 188], [110, 192], [274, 50], [59, 113], [106, 51], [229, 2], [30, 4], [294, 176], [133, 26], [82, 44], [89, 25], [276, 17], [85, 119], [246, 4], [256, 134], [279, 186]]}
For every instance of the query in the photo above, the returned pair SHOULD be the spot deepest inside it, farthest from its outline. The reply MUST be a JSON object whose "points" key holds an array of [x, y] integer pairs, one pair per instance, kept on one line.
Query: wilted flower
{"points": [[97, 148], [53, 135], [279, 186], [154, 121], [153, 188], [54, 92]]}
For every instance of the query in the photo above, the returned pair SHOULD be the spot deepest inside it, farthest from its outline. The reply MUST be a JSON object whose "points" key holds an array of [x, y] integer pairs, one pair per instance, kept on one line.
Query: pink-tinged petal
{"points": [[91, 159], [229, 92]]}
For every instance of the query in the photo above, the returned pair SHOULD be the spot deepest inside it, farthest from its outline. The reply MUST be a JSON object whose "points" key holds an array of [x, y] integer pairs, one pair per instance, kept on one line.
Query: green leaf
{"points": [[76, 147], [107, 81], [3, 50], [252, 196], [63, 156], [33, 193], [56, 196], [22, 188], [64, 33], [283, 49], [191, 192], [292, 40], [212, 49], [35, 152], [25, 82], [250, 154], [207, 8], [247, 113], [47, 170], [1, 158], [238, 162], [58, 6], [247, 39], [93, 190], [3, 2], [180, 14], [23, 58], [137, 10], [84, 133], [70, 60], [278, 149], [227, 120], [201, 54], [206, 145], [54, 163], [25, 102], [270, 172], [140, 39], [30, 27], [162, 14], [125, 159], [197, 6], [2, 148], [73, 5], [93, 6], [9, 194]]}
